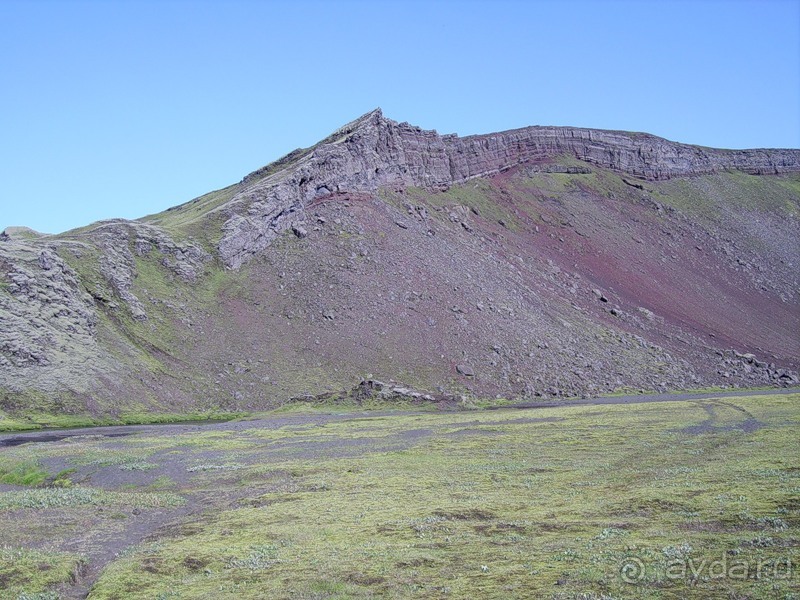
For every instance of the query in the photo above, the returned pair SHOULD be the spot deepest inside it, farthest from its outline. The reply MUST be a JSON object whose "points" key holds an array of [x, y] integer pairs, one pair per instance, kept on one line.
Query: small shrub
{"points": [[230, 467], [610, 532], [138, 466], [62, 479], [677, 552]]}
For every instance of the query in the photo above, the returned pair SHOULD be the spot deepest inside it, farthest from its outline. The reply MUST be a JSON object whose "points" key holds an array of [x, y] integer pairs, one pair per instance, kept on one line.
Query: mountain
{"points": [[544, 261]]}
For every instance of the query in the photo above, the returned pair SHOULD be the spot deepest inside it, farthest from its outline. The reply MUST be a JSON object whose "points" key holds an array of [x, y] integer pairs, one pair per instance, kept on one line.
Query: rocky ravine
{"points": [[539, 261]]}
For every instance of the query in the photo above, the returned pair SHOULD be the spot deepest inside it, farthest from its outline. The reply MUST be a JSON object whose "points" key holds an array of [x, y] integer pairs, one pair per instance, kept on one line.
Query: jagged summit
{"points": [[639, 154], [373, 152], [372, 118]]}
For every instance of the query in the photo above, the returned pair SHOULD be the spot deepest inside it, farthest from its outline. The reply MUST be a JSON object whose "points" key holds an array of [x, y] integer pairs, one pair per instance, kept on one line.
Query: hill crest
{"points": [[373, 152]]}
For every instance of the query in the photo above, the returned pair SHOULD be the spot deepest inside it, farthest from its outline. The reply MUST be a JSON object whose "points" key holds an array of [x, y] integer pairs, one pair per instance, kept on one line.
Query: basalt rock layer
{"points": [[375, 152], [543, 261]]}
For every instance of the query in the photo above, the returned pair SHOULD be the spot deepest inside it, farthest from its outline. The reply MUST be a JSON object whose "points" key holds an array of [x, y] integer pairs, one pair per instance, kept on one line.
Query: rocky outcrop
{"points": [[371, 391], [121, 240], [47, 319], [374, 152], [49, 315]]}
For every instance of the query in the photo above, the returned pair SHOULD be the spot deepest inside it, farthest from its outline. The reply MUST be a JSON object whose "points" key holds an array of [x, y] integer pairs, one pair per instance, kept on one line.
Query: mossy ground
{"points": [[544, 503], [29, 420], [28, 573], [17, 472]]}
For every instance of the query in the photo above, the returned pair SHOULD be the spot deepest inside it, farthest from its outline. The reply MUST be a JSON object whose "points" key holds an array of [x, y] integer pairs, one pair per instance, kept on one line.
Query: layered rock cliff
{"points": [[375, 152]]}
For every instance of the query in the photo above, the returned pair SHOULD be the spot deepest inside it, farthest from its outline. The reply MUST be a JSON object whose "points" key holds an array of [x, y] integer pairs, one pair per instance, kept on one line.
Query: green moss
{"points": [[550, 503], [712, 195], [57, 497], [9, 424], [17, 472], [26, 421], [181, 216], [478, 194], [790, 182], [19, 408], [30, 573]]}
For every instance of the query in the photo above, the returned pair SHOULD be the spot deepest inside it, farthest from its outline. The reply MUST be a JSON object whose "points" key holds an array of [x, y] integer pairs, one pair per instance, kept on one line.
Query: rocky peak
{"points": [[374, 152]]}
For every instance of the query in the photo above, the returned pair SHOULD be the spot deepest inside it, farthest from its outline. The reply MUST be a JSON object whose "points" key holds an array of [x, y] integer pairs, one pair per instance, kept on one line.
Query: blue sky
{"points": [[121, 109]]}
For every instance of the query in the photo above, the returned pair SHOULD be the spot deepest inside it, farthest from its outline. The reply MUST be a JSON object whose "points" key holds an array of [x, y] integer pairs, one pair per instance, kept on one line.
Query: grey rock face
{"points": [[120, 239], [465, 370], [374, 152], [46, 318]]}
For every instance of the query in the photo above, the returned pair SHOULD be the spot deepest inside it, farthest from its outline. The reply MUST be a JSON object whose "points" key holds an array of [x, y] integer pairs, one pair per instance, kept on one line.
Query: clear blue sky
{"points": [[121, 109]]}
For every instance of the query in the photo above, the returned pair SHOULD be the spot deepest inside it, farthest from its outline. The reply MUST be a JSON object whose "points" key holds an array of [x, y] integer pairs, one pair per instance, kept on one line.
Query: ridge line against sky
{"points": [[122, 109]]}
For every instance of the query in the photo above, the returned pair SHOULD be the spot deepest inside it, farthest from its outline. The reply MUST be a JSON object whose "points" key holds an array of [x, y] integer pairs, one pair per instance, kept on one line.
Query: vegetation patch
{"points": [[560, 505], [82, 496], [30, 574], [21, 472], [29, 421]]}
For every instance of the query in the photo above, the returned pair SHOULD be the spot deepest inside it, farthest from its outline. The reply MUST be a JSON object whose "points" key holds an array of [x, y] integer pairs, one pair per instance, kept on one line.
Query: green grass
{"points": [[478, 195], [28, 574], [14, 424], [19, 409], [185, 214], [712, 389], [712, 195], [495, 506], [35, 421], [81, 496], [17, 472]]}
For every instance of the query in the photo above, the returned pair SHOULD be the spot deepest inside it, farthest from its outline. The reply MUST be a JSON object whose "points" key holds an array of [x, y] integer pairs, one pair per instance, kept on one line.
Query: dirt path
{"points": [[647, 398], [16, 438]]}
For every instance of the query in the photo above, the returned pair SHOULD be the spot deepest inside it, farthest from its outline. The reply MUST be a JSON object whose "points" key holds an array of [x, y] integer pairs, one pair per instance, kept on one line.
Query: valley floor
{"points": [[685, 497]]}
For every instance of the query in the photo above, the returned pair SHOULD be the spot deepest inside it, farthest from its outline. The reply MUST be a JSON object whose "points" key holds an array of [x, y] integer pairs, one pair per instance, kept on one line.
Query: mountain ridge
{"points": [[372, 152], [548, 248]]}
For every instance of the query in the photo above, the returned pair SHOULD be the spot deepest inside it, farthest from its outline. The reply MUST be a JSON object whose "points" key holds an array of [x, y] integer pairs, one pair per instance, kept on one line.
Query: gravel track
{"points": [[318, 419]]}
